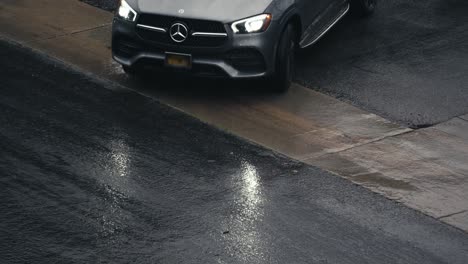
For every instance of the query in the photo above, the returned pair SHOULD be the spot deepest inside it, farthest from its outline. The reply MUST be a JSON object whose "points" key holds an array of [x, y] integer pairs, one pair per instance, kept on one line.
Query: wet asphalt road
{"points": [[92, 173], [407, 63]]}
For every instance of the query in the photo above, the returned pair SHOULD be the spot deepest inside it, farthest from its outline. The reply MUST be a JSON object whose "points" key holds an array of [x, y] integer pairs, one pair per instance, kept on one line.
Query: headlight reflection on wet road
{"points": [[245, 240], [118, 186], [120, 159], [251, 191]]}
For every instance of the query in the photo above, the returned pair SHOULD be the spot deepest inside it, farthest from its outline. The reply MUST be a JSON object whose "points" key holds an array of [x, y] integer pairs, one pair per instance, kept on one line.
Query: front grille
{"points": [[164, 38], [246, 60], [194, 25]]}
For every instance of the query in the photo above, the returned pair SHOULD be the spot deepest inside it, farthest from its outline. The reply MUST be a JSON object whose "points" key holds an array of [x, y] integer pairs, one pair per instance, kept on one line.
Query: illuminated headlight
{"points": [[254, 24], [126, 11]]}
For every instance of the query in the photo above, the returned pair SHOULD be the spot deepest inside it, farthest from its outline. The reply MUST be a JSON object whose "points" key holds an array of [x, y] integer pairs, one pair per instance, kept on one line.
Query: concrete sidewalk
{"points": [[425, 169]]}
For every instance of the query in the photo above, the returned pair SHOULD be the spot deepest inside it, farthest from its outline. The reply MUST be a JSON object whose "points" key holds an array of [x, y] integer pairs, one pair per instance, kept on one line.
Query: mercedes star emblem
{"points": [[178, 32]]}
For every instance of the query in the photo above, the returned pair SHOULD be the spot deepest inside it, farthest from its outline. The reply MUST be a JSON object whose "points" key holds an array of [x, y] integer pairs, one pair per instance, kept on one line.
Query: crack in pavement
{"points": [[449, 215], [71, 33], [378, 139]]}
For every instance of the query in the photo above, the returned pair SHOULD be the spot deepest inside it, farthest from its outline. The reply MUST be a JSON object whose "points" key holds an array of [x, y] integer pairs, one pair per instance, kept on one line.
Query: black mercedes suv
{"points": [[224, 38]]}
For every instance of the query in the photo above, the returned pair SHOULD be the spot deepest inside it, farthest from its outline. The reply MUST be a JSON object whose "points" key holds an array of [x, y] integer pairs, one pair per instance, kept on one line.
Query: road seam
{"points": [[450, 215], [71, 33], [392, 134]]}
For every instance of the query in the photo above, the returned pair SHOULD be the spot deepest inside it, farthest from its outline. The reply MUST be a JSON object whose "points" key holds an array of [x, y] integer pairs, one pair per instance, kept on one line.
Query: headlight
{"points": [[126, 11], [254, 24]]}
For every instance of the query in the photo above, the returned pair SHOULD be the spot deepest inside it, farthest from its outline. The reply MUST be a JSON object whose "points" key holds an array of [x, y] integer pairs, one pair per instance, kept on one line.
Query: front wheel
{"points": [[363, 7], [285, 67]]}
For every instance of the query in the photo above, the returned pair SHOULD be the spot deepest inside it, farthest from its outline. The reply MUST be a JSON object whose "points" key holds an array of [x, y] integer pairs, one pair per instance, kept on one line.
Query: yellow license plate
{"points": [[182, 61]]}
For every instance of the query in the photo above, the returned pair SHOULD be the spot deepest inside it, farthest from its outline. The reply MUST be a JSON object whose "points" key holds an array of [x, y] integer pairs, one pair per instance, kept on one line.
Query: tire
{"points": [[363, 7], [285, 67]]}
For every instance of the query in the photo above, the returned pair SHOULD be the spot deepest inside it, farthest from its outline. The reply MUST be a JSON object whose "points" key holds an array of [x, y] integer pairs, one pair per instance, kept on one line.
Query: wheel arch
{"points": [[291, 16]]}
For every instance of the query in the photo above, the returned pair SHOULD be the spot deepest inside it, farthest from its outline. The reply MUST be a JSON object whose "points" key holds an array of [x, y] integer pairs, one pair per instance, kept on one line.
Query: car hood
{"points": [[219, 10]]}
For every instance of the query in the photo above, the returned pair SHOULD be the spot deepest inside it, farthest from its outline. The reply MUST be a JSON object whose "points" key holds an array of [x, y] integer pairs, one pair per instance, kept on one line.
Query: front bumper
{"points": [[241, 56]]}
